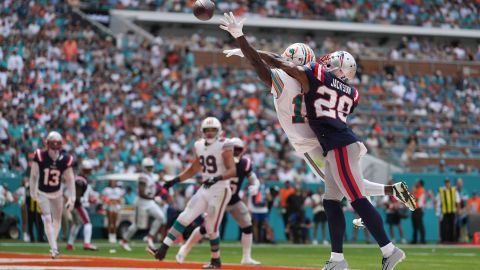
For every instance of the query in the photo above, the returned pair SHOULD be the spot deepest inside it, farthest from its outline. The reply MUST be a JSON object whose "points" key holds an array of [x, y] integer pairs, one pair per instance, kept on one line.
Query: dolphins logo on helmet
{"points": [[299, 53]]}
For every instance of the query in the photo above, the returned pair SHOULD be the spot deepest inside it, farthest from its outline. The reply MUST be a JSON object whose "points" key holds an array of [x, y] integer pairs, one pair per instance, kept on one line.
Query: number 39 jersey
{"points": [[211, 159], [328, 102], [288, 100], [51, 171]]}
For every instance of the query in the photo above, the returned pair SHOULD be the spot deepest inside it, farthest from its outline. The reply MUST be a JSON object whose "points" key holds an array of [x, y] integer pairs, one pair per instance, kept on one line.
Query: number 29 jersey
{"points": [[328, 102], [211, 159], [51, 171]]}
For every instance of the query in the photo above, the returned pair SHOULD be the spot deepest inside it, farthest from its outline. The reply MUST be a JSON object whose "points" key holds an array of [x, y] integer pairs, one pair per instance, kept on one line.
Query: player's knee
{"points": [[203, 230], [247, 230]]}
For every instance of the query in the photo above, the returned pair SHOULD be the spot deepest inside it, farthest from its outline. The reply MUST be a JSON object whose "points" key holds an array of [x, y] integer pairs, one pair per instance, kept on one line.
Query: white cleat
{"points": [[391, 261], [250, 262], [400, 191], [124, 245], [358, 223], [54, 253]]}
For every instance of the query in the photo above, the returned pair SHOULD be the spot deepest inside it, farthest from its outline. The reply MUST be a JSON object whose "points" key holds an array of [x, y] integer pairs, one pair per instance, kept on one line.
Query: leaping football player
{"points": [[328, 98]]}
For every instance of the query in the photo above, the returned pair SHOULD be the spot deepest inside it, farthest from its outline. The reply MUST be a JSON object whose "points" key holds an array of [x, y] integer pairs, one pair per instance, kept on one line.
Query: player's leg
{"points": [[47, 219], [87, 228], [56, 207], [348, 175], [140, 217], [74, 229], [195, 237], [196, 206], [241, 215], [217, 204], [336, 219], [154, 210]]}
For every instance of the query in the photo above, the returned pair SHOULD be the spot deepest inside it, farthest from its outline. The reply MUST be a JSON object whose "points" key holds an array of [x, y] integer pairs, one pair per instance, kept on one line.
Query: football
{"points": [[203, 9]]}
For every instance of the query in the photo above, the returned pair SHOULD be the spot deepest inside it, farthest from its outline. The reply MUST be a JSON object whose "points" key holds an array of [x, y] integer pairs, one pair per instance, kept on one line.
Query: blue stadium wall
{"points": [[432, 182]]}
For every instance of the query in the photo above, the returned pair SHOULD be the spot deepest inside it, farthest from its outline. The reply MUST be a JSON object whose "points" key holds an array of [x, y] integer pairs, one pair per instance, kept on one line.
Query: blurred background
{"points": [[125, 79]]}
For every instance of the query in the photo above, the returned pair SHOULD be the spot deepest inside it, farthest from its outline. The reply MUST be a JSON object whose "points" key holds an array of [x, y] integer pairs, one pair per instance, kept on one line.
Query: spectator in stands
{"points": [[284, 194], [417, 215], [448, 201], [435, 140]]}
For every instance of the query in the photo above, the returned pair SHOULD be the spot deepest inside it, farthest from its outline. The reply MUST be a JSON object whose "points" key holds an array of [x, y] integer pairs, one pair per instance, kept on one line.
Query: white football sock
{"points": [[373, 189], [247, 239], [87, 233], [336, 257], [387, 250]]}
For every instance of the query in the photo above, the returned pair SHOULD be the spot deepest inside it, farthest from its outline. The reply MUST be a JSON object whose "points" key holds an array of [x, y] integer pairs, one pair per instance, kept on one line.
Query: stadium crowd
{"points": [[442, 13]]}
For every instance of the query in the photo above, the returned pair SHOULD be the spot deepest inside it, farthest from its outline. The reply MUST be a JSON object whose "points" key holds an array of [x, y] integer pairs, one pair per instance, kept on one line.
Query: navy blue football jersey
{"points": [[244, 169], [51, 171], [81, 185], [328, 103]]}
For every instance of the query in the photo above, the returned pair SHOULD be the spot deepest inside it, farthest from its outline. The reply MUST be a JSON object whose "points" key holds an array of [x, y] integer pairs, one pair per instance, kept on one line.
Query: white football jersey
{"points": [[115, 193], [291, 112], [150, 184], [211, 158]]}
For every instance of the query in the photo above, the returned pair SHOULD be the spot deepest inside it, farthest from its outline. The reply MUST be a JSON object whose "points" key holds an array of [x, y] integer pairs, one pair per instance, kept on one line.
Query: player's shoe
{"points": [[158, 253], [400, 191], [250, 261], [358, 223], [70, 247], [90, 247], [149, 241], [54, 253], [391, 261], [331, 265], [182, 254], [124, 245], [213, 264]]}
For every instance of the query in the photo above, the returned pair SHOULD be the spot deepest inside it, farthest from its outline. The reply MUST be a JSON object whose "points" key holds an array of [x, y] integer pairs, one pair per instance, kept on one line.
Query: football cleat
{"points": [[158, 253], [70, 247], [331, 265], [358, 223], [124, 245], [400, 191], [250, 262], [90, 247], [391, 261], [54, 253], [213, 264]]}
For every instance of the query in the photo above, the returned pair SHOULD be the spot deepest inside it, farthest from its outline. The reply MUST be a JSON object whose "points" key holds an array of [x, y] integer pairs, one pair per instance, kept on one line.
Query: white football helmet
{"points": [[341, 63], [211, 122], [238, 148], [147, 164], [299, 53], [54, 141], [87, 165]]}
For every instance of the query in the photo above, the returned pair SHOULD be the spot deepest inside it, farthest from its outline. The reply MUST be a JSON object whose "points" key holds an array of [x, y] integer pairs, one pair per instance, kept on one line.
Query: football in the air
{"points": [[204, 9]]}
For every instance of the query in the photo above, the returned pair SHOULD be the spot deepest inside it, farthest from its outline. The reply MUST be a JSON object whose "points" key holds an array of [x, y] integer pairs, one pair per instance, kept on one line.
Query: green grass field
{"points": [[364, 257]]}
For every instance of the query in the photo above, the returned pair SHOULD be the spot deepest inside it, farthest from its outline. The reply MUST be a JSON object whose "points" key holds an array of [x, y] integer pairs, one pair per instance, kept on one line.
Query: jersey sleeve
{"points": [[69, 161], [356, 99], [142, 178], [227, 145], [277, 82], [315, 71], [37, 156]]}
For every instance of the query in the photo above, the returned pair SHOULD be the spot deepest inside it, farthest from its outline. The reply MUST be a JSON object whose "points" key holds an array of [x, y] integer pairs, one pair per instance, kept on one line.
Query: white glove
{"points": [[232, 52], [253, 189], [230, 24], [69, 205]]}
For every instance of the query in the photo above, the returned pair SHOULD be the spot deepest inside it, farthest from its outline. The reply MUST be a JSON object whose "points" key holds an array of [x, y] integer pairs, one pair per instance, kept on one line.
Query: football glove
{"points": [[233, 52], [211, 181], [230, 24], [169, 184]]}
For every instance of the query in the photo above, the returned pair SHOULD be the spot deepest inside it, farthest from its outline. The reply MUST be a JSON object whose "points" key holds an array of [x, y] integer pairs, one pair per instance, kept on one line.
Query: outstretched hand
{"points": [[230, 24], [232, 52]]}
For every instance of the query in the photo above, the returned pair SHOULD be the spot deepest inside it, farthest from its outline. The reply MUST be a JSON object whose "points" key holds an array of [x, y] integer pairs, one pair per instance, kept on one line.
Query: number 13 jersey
{"points": [[328, 102], [51, 171], [211, 159]]}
